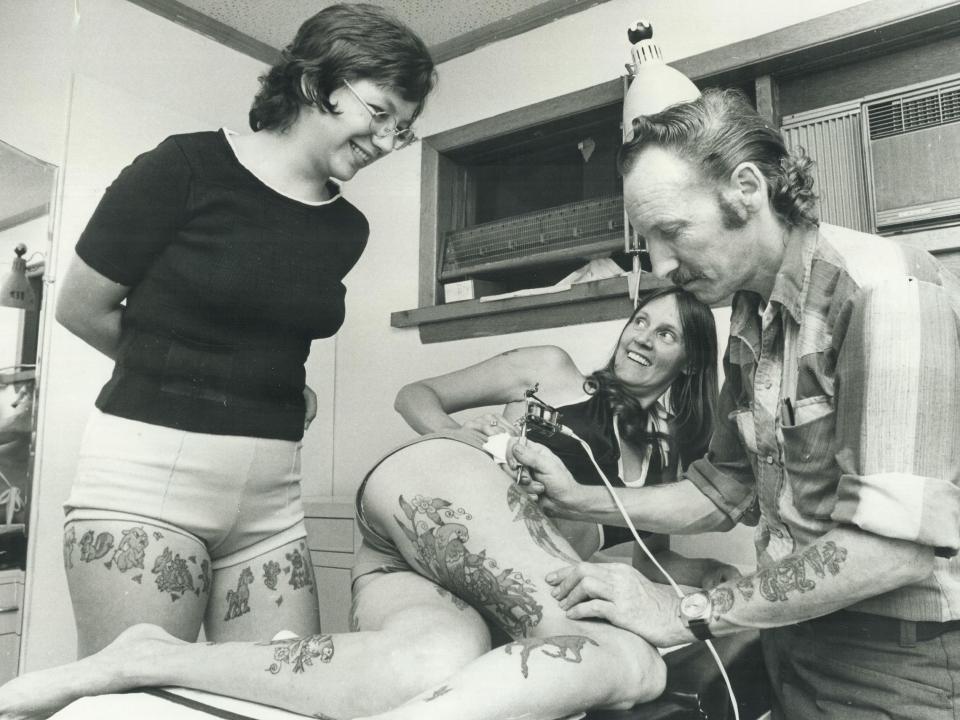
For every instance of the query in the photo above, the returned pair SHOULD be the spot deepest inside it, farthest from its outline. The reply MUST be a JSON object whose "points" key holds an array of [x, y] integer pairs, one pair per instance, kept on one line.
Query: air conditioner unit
{"points": [[912, 139]]}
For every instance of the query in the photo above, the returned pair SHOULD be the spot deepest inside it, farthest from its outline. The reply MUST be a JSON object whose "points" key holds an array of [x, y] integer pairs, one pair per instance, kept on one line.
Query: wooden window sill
{"points": [[582, 303]]}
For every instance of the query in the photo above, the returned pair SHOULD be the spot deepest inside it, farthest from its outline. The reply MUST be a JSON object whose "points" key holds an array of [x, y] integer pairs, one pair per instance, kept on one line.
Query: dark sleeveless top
{"points": [[592, 421]]}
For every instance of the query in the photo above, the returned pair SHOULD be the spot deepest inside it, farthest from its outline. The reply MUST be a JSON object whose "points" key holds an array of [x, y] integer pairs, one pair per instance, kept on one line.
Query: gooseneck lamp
{"points": [[16, 291], [652, 86]]}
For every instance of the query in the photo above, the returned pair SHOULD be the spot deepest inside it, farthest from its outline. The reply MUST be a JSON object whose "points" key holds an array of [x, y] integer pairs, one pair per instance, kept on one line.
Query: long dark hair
{"points": [[693, 393], [348, 41]]}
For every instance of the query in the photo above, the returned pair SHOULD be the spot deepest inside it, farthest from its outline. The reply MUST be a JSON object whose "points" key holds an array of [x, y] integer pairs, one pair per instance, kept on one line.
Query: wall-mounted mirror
{"points": [[26, 190]]}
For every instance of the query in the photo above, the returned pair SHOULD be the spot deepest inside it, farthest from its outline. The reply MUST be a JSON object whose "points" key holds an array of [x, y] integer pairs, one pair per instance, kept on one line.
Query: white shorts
{"points": [[239, 496]]}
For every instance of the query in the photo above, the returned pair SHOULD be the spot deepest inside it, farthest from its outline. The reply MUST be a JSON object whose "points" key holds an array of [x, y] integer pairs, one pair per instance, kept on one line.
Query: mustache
{"points": [[681, 277]]}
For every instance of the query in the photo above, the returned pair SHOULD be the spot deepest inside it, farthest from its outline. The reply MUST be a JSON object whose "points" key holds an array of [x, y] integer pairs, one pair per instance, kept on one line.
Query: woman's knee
{"points": [[643, 675], [427, 658]]}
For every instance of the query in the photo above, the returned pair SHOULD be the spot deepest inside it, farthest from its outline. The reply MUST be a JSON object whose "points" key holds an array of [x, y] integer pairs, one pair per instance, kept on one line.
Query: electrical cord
{"points": [[636, 536]]}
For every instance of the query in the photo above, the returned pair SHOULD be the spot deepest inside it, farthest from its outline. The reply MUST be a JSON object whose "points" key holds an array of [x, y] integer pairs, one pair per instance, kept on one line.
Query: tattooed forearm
{"points": [[538, 525], [563, 647], [300, 652], [441, 550], [778, 582], [723, 599], [443, 690]]}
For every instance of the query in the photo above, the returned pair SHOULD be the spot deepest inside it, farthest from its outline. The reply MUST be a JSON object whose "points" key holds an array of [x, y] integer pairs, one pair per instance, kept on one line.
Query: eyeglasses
{"points": [[383, 124]]}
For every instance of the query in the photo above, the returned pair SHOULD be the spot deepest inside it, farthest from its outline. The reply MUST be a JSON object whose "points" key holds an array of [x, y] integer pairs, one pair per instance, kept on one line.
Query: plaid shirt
{"points": [[841, 405]]}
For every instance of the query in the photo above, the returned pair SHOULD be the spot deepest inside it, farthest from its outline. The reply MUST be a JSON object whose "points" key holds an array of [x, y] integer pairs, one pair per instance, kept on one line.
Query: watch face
{"points": [[695, 606]]}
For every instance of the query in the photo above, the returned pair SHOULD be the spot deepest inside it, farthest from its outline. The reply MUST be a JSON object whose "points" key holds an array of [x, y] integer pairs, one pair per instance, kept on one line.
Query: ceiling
{"points": [[449, 27]]}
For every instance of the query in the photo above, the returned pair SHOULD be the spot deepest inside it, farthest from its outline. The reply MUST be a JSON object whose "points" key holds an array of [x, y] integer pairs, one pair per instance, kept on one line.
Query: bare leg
{"points": [[121, 573], [476, 536], [269, 593], [490, 548], [418, 635]]}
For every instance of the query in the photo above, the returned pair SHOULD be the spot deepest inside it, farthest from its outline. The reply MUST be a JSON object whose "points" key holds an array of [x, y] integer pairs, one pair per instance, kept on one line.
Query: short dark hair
{"points": [[718, 131], [693, 394], [342, 42]]}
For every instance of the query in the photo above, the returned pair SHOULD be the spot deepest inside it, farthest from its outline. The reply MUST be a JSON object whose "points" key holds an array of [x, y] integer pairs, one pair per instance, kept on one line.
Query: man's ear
{"points": [[749, 186]]}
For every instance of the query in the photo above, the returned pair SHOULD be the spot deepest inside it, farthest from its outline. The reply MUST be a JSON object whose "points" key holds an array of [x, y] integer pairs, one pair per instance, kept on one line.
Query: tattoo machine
{"points": [[540, 415]]}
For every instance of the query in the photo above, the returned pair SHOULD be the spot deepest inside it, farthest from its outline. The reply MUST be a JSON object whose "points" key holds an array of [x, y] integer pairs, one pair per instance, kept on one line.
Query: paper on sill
{"points": [[525, 292], [596, 269]]}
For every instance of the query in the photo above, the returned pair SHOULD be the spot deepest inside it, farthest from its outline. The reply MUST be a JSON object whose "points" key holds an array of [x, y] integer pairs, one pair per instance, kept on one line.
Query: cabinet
{"points": [[332, 539], [11, 601]]}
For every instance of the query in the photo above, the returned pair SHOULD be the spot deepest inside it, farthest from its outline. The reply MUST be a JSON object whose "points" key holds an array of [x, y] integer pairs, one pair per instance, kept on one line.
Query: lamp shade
{"points": [[654, 85], [16, 291]]}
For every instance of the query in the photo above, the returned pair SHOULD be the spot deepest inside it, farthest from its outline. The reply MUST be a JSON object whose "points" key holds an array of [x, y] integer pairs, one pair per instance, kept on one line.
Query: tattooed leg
{"points": [[456, 529], [463, 529], [121, 573], [259, 597]]}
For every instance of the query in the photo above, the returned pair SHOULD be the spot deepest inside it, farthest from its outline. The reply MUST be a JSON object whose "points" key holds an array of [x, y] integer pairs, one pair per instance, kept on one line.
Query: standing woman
{"points": [[207, 269]]}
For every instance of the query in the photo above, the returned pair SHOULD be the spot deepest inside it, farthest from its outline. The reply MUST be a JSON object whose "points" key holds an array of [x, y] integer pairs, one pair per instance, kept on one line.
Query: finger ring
{"points": [[493, 422]]}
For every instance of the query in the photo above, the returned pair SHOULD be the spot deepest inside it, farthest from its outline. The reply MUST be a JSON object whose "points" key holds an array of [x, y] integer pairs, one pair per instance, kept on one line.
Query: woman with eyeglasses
{"points": [[207, 269]]}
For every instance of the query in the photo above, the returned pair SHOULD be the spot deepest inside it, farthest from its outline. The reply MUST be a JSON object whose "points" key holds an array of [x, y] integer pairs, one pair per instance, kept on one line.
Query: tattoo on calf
{"points": [[443, 690], [563, 647], [238, 601], [301, 652], [538, 525], [441, 550]]}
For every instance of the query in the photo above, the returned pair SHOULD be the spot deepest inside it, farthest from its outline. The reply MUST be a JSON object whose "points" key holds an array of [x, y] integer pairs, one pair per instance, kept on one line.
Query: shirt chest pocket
{"points": [[809, 456]]}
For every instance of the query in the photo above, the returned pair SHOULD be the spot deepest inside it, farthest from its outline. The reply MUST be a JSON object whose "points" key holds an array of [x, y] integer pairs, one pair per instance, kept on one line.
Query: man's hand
{"points": [[617, 593], [559, 494]]}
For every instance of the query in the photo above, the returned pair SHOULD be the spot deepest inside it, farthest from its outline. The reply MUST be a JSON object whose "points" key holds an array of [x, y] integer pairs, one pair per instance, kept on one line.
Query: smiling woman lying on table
{"points": [[452, 547], [645, 415]]}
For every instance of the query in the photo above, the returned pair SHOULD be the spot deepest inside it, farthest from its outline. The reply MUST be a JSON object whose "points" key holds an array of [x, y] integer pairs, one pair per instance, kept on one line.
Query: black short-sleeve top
{"points": [[593, 422], [230, 281]]}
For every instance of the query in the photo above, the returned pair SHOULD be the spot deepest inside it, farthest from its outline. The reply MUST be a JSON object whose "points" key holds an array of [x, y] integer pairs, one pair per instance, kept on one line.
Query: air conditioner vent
{"points": [[906, 113]]}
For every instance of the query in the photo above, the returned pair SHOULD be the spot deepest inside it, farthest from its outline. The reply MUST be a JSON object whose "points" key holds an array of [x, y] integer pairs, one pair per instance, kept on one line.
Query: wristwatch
{"points": [[695, 611]]}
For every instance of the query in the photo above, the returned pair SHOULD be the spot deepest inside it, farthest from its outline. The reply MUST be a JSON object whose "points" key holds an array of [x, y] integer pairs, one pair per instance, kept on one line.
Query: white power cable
{"points": [[636, 536]]}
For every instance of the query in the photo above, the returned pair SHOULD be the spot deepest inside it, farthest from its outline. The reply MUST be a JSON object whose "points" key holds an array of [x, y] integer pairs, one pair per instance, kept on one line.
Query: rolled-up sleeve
{"points": [[725, 476], [898, 413]]}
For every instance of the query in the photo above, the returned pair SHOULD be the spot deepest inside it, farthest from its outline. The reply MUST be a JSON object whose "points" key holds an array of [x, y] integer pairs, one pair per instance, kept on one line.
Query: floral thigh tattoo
{"points": [[440, 539]]}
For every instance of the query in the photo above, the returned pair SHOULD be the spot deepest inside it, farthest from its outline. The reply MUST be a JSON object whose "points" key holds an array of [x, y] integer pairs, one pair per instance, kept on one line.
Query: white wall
{"points": [[136, 78]]}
